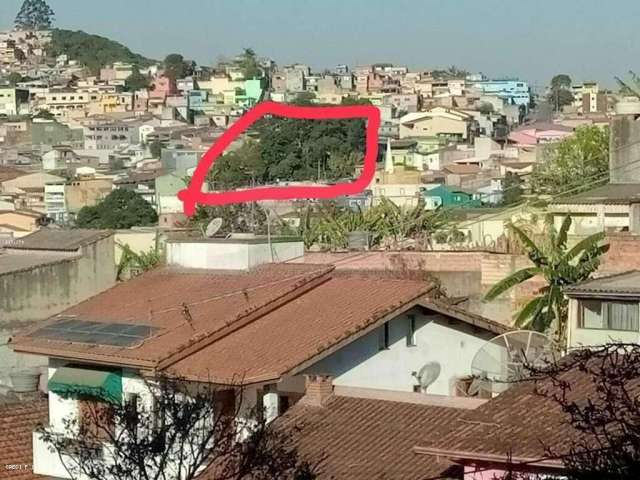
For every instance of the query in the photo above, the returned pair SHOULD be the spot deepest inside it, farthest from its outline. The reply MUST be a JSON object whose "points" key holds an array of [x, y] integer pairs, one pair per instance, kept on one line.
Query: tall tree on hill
{"points": [[560, 91], [248, 62], [175, 66], [136, 81], [34, 15]]}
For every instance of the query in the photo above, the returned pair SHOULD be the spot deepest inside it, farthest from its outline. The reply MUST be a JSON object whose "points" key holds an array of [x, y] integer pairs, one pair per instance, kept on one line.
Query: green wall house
{"points": [[446, 196]]}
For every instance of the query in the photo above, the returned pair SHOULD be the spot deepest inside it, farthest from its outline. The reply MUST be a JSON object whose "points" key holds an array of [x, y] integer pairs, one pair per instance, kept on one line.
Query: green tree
{"points": [[575, 162], [386, 222], [121, 209], [486, 108], [560, 91], [559, 266], [136, 81], [34, 15], [512, 190], [349, 100], [131, 261], [239, 168], [45, 115], [248, 63], [561, 81], [304, 98], [175, 66], [14, 78], [92, 51], [295, 149], [155, 149]]}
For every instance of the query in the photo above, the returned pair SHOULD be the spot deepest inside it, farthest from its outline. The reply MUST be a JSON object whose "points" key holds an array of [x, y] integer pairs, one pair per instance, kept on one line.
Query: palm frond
{"points": [[584, 245], [511, 281], [561, 239], [534, 250], [530, 311]]}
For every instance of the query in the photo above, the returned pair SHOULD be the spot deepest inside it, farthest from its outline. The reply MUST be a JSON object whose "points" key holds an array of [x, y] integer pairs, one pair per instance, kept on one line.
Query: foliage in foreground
{"points": [[607, 446], [575, 164], [559, 266], [174, 430]]}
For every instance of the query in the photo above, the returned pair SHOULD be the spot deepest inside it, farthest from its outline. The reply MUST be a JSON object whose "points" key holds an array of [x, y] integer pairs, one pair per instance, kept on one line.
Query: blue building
{"points": [[514, 91]]}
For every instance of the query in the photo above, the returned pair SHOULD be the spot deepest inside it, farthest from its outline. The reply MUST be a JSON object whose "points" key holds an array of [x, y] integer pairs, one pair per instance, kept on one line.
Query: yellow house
{"points": [[437, 122], [18, 223]]}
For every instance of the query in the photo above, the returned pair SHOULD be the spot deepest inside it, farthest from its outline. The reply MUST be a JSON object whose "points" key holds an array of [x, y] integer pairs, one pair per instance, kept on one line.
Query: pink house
{"points": [[539, 132], [163, 87]]}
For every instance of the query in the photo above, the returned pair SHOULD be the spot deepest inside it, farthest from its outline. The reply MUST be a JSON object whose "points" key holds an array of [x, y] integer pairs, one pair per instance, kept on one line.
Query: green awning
{"points": [[82, 382]]}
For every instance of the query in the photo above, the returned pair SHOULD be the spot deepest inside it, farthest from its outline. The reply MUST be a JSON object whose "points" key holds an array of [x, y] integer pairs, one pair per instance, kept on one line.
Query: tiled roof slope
{"points": [[215, 300], [284, 338], [523, 423], [17, 423], [627, 283], [258, 325], [366, 439]]}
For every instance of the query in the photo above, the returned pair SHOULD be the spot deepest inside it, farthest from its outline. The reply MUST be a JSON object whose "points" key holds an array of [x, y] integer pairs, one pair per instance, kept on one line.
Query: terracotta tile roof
{"points": [[301, 330], [462, 169], [262, 324], [216, 301], [368, 439], [523, 424], [17, 423]]}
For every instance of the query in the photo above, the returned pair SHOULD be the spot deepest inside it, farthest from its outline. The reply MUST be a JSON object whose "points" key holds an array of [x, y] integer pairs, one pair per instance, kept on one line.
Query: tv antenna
{"points": [[213, 227], [427, 375]]}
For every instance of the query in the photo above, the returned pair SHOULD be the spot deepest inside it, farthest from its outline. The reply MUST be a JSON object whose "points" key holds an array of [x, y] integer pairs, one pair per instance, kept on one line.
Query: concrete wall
{"points": [[138, 240], [362, 364], [38, 293], [44, 291], [231, 254], [625, 149]]}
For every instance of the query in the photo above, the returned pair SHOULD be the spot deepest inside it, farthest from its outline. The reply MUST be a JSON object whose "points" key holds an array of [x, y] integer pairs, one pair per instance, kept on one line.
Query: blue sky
{"points": [[588, 39]]}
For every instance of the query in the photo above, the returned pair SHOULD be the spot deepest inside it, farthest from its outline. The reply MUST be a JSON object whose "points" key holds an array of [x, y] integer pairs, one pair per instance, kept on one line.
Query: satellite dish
{"points": [[503, 360], [428, 374], [213, 227]]}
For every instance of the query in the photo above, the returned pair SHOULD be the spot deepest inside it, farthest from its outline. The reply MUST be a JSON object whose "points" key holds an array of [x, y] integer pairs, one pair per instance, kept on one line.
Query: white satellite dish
{"points": [[214, 226], [504, 359], [428, 374]]}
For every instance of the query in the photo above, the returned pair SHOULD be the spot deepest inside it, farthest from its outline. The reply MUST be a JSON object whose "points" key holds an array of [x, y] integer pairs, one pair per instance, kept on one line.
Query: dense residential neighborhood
{"points": [[472, 313]]}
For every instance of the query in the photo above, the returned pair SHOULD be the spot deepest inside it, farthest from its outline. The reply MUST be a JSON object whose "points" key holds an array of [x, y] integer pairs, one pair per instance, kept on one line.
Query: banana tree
{"points": [[560, 266]]}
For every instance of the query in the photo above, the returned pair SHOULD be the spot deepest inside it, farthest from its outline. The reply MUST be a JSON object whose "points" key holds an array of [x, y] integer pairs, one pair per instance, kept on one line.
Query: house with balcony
{"points": [[221, 310]]}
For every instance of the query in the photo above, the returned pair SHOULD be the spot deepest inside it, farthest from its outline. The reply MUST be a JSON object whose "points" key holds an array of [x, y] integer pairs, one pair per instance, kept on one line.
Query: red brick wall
{"points": [[623, 255]]}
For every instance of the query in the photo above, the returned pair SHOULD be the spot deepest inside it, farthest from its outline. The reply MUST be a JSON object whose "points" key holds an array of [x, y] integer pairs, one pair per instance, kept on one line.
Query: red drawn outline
{"points": [[193, 194]]}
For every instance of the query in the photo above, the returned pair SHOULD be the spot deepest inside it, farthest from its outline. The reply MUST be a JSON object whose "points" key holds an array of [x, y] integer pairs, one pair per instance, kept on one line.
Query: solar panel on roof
{"points": [[98, 333]]}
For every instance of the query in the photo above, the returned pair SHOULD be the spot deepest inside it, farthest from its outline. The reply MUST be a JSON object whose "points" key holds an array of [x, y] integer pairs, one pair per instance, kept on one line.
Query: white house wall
{"points": [[361, 364]]}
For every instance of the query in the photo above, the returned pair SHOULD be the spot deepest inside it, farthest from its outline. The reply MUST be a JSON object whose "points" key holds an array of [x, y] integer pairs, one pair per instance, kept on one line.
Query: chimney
{"points": [[319, 388]]}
